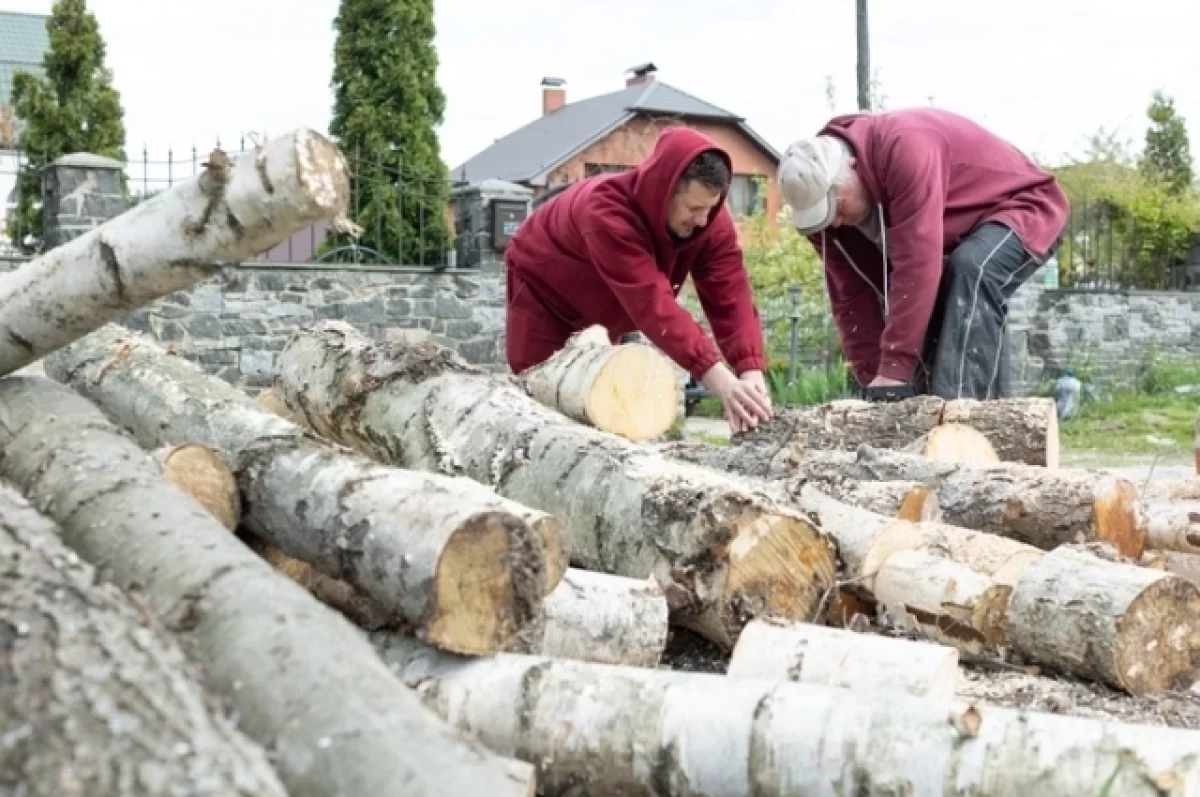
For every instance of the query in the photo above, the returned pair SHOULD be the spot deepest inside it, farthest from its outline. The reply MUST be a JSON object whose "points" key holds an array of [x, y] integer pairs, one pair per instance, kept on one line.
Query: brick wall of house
{"points": [[633, 142]]}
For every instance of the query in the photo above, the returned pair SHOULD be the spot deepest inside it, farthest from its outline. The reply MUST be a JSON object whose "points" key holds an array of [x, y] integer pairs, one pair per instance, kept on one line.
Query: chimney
{"points": [[554, 95], [642, 73]]}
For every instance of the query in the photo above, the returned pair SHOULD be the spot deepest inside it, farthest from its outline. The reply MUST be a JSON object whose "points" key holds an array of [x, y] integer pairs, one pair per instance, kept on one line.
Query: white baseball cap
{"points": [[806, 178]]}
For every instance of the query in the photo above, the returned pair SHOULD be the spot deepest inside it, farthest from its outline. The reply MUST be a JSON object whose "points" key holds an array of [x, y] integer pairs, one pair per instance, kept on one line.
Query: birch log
{"points": [[230, 211], [599, 618], [1132, 627], [302, 679], [723, 551], [954, 442], [628, 389], [448, 557], [814, 654], [97, 698], [1172, 525], [1044, 508], [601, 730], [1023, 430]]}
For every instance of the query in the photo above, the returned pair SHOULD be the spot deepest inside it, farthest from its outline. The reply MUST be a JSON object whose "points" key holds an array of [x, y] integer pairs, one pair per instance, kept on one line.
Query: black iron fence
{"points": [[1105, 247], [406, 217]]}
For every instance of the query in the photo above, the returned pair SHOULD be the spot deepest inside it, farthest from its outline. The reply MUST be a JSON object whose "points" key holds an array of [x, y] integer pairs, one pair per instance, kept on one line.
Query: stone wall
{"points": [[1109, 334], [235, 324]]}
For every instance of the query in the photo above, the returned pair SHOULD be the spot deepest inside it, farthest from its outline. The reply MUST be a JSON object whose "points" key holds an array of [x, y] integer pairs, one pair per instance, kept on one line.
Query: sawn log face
{"points": [[722, 551]]}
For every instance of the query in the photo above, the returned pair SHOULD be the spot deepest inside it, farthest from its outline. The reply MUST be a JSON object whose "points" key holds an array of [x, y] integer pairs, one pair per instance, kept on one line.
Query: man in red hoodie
{"points": [[615, 250], [961, 219]]}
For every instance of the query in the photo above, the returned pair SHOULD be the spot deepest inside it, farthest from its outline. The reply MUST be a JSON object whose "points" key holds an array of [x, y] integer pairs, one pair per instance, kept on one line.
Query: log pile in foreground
{"points": [[97, 698], [1023, 430], [722, 551], [642, 731], [302, 679], [627, 389], [1134, 628], [232, 210], [464, 568], [1044, 508], [814, 654]]}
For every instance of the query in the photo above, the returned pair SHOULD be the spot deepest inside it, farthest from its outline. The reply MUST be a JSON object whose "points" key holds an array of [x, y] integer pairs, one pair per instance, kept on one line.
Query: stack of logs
{"points": [[407, 576]]}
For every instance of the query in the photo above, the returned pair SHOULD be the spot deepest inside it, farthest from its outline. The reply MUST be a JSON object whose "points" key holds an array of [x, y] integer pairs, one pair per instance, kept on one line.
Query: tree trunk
{"points": [[1132, 627], [230, 211], [628, 390], [723, 551], [599, 730], [447, 556], [1038, 506], [814, 654], [1172, 525], [201, 473], [97, 698], [1021, 430], [953, 442], [302, 679], [599, 618]]}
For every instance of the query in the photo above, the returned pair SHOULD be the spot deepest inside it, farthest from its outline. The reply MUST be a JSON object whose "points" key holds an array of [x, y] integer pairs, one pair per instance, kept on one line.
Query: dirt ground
{"points": [[993, 681]]}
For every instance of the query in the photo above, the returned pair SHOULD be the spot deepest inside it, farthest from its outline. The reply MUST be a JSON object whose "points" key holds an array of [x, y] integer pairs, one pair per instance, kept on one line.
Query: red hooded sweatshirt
{"points": [[601, 253], [937, 176]]}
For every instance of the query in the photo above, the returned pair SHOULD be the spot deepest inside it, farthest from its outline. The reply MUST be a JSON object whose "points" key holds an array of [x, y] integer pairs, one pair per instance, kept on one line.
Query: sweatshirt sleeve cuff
{"points": [[701, 365], [754, 362], [896, 366]]}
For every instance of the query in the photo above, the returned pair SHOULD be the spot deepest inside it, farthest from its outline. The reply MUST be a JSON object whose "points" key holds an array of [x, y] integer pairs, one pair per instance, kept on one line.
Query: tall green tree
{"points": [[73, 108], [387, 106], [1167, 158]]}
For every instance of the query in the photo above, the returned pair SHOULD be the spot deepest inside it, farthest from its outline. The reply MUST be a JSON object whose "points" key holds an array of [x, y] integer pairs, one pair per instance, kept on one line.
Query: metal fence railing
{"points": [[406, 216]]}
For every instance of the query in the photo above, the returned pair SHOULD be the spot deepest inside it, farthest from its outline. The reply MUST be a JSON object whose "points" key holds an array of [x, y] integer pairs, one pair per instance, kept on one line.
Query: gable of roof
{"points": [[23, 42], [530, 153]]}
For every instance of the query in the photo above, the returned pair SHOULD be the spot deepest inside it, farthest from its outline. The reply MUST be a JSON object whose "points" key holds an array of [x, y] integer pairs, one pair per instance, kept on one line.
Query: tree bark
{"points": [[97, 698], [1132, 627], [628, 390], [231, 211], [1022, 430], [599, 618], [451, 559], [201, 473], [814, 654], [1041, 507], [723, 551], [304, 681], [1172, 525], [642, 732]]}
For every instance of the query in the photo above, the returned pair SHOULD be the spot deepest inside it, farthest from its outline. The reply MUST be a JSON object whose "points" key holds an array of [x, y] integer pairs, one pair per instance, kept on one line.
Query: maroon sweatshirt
{"points": [[937, 176], [601, 253]]}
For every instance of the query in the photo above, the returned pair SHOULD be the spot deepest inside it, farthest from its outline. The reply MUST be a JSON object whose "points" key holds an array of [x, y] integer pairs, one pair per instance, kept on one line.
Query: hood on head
{"points": [[655, 179]]}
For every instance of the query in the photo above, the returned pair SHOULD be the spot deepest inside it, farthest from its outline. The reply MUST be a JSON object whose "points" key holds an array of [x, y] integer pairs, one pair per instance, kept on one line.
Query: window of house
{"points": [[745, 195], [592, 169]]}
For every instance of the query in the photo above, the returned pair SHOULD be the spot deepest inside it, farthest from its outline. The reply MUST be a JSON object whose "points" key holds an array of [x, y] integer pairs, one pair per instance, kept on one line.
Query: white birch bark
{"points": [[447, 556], [1132, 627], [97, 697], [602, 730], [628, 389], [723, 551], [231, 211], [816, 654], [303, 680]]}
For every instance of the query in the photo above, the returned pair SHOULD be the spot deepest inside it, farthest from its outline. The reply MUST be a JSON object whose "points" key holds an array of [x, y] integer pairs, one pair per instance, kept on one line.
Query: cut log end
{"points": [[634, 395], [550, 531], [919, 505], [201, 473], [779, 565], [1116, 516], [269, 401], [956, 442], [1158, 640], [489, 586], [1052, 444]]}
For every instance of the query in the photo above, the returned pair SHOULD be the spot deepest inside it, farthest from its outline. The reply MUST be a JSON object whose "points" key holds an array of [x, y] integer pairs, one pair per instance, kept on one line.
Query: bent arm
{"points": [[723, 287]]}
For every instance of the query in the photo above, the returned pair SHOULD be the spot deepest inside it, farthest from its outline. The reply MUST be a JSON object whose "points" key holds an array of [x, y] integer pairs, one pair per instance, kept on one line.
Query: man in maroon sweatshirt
{"points": [[615, 250], [960, 217]]}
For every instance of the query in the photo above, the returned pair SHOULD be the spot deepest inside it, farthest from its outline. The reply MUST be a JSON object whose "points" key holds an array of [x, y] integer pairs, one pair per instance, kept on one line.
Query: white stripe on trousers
{"points": [[962, 360]]}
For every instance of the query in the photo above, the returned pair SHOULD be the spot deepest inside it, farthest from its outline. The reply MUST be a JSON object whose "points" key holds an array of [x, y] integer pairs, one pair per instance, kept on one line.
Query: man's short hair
{"points": [[710, 169]]}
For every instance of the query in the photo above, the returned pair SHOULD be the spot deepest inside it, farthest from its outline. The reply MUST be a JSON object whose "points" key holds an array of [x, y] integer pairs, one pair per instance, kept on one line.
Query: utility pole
{"points": [[864, 59]]}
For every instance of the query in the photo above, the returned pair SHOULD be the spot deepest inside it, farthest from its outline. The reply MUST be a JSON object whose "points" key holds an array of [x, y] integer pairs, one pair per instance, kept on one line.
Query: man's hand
{"points": [[746, 400], [883, 388]]}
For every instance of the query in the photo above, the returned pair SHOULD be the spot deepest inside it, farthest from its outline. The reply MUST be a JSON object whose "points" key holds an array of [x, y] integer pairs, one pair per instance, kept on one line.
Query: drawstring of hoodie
{"points": [[884, 304]]}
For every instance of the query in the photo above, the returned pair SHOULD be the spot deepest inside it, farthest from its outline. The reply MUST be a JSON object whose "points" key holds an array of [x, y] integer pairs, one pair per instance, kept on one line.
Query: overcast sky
{"points": [[1043, 73]]}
